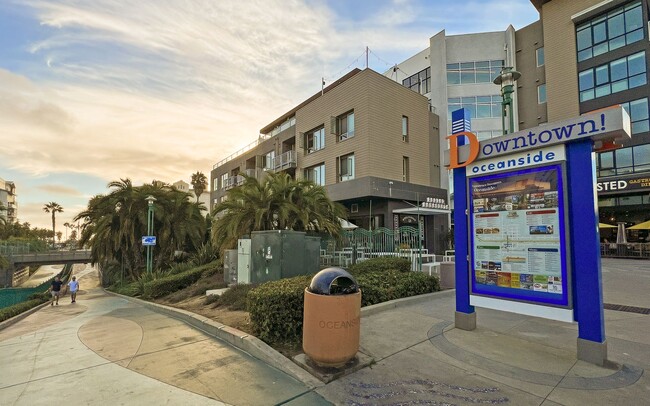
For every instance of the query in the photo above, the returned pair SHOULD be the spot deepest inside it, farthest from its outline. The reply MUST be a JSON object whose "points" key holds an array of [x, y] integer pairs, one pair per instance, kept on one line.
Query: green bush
{"points": [[43, 296], [234, 298], [15, 310], [382, 264], [163, 286], [276, 308]]}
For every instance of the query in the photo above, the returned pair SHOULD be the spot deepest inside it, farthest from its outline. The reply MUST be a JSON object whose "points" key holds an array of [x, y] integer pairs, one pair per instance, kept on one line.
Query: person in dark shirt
{"points": [[56, 290]]}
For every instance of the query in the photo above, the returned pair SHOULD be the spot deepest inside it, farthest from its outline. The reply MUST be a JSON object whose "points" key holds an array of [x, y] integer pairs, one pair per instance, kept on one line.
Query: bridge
{"points": [[22, 260]]}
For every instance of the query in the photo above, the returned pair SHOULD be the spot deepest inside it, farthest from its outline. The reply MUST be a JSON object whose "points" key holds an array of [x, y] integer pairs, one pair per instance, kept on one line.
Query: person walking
{"points": [[55, 289], [74, 287]]}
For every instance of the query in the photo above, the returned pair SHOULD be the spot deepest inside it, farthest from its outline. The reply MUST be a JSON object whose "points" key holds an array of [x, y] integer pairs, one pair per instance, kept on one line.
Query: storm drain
{"points": [[628, 309]]}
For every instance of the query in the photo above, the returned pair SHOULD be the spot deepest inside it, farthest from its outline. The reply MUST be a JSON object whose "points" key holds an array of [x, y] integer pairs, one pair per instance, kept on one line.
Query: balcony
{"points": [[284, 161], [233, 181]]}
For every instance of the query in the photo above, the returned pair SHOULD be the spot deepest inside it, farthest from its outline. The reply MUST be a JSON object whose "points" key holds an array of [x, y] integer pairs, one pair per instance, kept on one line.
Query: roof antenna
{"points": [[322, 86]]}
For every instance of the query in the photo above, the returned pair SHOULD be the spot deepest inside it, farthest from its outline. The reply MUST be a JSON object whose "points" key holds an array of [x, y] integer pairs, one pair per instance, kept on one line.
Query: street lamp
{"points": [[506, 80], [150, 199]]}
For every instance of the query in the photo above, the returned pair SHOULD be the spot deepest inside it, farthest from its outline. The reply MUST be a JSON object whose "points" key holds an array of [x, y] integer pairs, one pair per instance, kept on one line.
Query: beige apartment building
{"points": [[8, 200], [372, 143]]}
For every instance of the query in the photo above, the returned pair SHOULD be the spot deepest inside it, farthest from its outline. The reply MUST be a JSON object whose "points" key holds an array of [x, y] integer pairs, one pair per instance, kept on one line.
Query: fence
{"points": [[12, 296], [628, 250], [13, 249]]}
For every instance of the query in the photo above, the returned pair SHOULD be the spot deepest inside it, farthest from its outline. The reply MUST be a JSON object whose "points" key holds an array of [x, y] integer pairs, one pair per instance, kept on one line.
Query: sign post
{"points": [[526, 224]]}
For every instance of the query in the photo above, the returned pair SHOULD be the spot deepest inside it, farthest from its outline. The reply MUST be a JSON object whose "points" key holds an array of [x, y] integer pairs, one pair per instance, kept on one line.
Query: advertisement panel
{"points": [[517, 236]]}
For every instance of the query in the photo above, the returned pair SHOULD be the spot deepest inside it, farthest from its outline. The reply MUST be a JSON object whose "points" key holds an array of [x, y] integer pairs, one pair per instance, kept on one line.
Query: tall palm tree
{"points": [[277, 203], [199, 183], [53, 207]]}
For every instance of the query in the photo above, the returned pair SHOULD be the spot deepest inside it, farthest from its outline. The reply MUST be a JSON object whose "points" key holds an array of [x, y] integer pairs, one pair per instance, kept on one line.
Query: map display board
{"points": [[517, 236]]}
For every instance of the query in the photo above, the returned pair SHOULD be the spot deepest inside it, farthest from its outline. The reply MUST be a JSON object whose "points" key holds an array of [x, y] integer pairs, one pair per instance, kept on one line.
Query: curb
{"points": [[243, 341], [19, 317], [393, 304]]}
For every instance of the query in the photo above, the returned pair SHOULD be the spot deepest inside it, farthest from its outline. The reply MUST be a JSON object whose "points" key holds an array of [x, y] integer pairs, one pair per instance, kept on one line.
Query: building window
{"points": [[405, 169], [315, 140], [617, 28], [541, 93], [224, 180], [215, 184], [420, 82], [405, 129], [346, 167], [479, 106], [539, 56], [624, 161], [316, 174], [473, 72], [345, 126], [487, 134], [638, 111], [269, 160], [615, 76]]}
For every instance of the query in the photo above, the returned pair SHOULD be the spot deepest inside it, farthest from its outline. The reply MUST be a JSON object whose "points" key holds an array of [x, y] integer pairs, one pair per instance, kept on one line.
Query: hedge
{"points": [[169, 284], [15, 310], [276, 308], [382, 264]]}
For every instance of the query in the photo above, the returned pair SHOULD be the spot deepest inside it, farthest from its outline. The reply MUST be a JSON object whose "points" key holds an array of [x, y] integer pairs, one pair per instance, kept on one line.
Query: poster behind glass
{"points": [[518, 237]]}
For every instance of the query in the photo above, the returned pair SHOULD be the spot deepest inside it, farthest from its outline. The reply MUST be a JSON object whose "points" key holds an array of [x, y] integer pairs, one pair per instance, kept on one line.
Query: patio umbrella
{"points": [[641, 226], [621, 236], [603, 225], [346, 225]]}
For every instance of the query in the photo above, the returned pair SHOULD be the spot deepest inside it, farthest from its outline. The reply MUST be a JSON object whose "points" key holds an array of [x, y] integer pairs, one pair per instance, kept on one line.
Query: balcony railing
{"points": [[233, 181], [284, 161], [258, 141]]}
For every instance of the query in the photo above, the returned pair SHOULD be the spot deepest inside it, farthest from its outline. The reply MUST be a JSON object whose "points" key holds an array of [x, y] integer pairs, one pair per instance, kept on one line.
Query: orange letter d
{"points": [[453, 149]]}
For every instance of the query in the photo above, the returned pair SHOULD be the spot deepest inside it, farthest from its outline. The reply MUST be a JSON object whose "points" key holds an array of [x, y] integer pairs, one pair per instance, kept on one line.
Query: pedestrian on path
{"points": [[55, 289], [74, 287]]}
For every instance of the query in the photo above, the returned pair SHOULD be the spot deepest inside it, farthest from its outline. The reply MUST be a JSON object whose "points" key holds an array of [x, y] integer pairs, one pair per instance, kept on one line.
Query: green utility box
{"points": [[281, 254]]}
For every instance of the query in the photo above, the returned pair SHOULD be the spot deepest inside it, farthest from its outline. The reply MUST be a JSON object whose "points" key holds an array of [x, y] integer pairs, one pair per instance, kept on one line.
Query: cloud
{"points": [[60, 190]]}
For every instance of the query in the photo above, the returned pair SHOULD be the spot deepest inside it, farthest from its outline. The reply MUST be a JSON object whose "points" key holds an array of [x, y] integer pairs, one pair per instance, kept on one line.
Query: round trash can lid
{"points": [[333, 281]]}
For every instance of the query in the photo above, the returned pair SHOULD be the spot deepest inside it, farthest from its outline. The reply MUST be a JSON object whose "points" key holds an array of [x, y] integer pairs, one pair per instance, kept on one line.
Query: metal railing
{"points": [[14, 249], [233, 181], [284, 161], [52, 257], [258, 141], [627, 250]]}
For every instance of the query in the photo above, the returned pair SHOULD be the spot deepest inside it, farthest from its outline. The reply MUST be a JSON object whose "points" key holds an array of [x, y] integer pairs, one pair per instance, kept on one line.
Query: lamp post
{"points": [[506, 80], [150, 199]]}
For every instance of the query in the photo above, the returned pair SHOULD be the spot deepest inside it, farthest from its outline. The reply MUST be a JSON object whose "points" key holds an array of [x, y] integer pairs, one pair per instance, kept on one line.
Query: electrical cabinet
{"points": [[230, 276], [244, 261], [281, 254]]}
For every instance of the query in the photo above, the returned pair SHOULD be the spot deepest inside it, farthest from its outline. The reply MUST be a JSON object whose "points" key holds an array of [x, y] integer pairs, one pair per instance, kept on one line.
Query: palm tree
{"points": [[53, 207], [278, 203], [199, 183]]}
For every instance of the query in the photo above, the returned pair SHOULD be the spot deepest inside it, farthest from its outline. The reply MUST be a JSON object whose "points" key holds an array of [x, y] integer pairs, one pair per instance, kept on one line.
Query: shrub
{"points": [[11, 311], [160, 287], [276, 308], [382, 264], [235, 297], [128, 289], [43, 296]]}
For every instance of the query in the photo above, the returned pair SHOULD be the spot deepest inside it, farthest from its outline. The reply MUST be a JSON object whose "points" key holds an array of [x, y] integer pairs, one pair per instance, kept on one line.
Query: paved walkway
{"points": [[42, 274], [509, 359], [107, 350]]}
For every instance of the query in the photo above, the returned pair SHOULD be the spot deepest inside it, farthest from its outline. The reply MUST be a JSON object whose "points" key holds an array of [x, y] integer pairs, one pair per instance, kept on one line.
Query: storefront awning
{"points": [[422, 211]]}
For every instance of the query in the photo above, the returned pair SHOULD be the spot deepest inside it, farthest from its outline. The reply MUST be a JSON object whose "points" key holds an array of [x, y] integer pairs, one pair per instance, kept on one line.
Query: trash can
{"points": [[331, 319]]}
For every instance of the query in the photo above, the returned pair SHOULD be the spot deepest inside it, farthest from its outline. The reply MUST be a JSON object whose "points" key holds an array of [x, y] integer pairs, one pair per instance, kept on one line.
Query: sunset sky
{"points": [[97, 90]]}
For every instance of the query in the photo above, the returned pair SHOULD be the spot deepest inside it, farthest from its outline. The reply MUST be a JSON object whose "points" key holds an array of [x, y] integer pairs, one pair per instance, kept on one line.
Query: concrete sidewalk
{"points": [[509, 359]]}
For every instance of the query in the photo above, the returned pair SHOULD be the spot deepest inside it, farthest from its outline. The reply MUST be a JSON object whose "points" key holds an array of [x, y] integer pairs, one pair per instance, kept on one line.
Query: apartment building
{"points": [[8, 200], [596, 56], [457, 71], [372, 143], [185, 187]]}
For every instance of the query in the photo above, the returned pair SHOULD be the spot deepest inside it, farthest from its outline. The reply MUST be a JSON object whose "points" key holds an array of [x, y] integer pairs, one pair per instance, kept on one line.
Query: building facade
{"points": [[185, 187], [8, 200], [596, 56], [372, 143]]}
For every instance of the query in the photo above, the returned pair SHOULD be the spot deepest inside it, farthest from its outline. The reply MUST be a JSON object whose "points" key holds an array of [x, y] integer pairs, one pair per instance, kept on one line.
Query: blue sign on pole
{"points": [[149, 240]]}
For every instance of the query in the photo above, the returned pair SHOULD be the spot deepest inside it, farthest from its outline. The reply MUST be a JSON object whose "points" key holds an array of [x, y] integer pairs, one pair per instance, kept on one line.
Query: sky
{"points": [[93, 91]]}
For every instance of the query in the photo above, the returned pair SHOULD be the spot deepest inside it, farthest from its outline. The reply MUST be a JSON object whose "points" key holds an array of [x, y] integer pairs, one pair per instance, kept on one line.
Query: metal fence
{"points": [[627, 250], [14, 249], [12, 296]]}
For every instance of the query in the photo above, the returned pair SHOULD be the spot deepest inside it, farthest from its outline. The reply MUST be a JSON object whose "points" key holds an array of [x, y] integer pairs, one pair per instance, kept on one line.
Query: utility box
{"points": [[244, 261], [281, 254], [230, 267]]}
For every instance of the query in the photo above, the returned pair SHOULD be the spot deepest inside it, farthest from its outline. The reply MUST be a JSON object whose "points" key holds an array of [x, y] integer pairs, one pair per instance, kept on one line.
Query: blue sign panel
{"points": [[149, 240], [517, 236]]}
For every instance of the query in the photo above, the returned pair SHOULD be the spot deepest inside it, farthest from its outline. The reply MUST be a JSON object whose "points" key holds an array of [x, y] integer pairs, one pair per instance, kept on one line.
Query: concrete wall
{"points": [[528, 40]]}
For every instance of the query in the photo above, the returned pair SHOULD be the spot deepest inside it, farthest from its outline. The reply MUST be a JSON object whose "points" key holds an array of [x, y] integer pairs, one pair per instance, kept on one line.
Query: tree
{"points": [[113, 225], [59, 235], [277, 203], [3, 214], [199, 183], [53, 207]]}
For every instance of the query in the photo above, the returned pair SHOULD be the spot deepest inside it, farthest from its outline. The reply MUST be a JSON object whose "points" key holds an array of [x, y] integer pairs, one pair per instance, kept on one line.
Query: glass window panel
{"points": [[483, 99], [600, 49], [616, 43], [467, 77], [603, 90], [453, 100], [606, 160], [540, 56], [618, 86], [602, 75], [484, 77], [618, 69], [451, 66], [484, 111], [634, 36], [644, 168], [497, 99], [482, 64], [630, 200], [599, 32], [422, 75], [467, 66], [541, 93], [642, 155], [633, 19], [470, 99], [351, 123], [638, 109], [623, 157], [586, 79], [584, 38], [587, 95], [636, 63], [640, 126], [498, 63], [585, 54], [471, 108], [453, 78], [496, 110], [407, 82], [616, 26], [638, 80]]}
